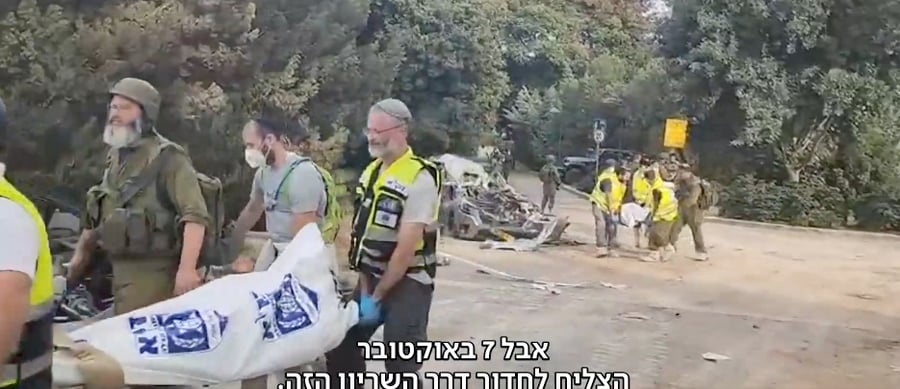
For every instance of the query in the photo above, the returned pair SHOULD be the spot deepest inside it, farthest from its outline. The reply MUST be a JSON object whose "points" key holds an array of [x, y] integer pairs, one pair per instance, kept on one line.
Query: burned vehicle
{"points": [[480, 206]]}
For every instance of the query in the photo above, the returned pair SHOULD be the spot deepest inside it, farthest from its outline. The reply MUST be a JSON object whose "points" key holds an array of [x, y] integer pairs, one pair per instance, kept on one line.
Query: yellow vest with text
{"points": [[667, 210], [642, 188], [380, 201], [618, 191], [35, 350]]}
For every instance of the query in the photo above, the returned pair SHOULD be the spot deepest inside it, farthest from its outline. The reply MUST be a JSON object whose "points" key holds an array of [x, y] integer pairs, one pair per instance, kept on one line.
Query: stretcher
{"points": [[288, 312]]}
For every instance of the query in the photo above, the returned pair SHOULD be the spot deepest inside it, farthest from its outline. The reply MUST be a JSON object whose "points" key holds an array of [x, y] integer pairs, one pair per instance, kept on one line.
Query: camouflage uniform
{"points": [[688, 191], [144, 278], [550, 181]]}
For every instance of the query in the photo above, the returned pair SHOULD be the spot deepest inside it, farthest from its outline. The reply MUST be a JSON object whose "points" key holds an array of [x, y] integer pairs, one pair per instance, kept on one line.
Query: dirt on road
{"points": [[791, 309]]}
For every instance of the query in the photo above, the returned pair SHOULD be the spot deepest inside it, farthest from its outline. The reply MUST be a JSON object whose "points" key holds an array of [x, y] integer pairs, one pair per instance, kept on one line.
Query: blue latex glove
{"points": [[369, 311]]}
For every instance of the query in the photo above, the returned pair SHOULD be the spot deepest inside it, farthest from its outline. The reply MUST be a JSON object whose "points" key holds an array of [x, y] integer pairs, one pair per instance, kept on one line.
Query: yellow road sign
{"points": [[676, 133]]}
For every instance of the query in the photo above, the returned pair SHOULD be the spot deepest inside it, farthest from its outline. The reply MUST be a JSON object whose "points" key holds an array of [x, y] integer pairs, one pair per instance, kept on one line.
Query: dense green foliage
{"points": [[792, 103]]}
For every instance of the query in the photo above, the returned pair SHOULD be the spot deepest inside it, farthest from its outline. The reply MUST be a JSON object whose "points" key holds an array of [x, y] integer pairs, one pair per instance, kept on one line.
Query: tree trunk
{"points": [[793, 174]]}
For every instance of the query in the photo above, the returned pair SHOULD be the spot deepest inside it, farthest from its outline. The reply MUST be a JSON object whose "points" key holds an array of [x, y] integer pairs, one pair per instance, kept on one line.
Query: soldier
{"points": [[688, 192], [606, 200], [26, 284], [148, 193], [551, 181], [393, 243]]}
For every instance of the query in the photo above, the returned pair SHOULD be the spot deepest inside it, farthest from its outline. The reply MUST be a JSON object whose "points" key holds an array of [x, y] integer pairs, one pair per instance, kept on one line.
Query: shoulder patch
{"points": [[396, 186]]}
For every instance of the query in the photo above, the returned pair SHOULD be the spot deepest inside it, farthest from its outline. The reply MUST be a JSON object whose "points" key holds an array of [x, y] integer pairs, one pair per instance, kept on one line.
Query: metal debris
{"points": [[634, 316], [481, 206], [613, 286], [713, 357]]}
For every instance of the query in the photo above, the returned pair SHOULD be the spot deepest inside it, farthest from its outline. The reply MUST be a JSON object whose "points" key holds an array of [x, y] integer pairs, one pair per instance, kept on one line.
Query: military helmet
{"points": [[141, 92]]}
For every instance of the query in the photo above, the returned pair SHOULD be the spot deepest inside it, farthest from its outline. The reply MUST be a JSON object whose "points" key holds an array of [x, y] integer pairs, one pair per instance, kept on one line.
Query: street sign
{"points": [[676, 133], [599, 136]]}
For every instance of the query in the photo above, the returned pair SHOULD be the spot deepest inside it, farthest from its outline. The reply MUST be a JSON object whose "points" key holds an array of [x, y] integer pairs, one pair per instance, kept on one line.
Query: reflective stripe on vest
{"points": [[381, 199], [668, 206], [34, 353], [618, 191]]}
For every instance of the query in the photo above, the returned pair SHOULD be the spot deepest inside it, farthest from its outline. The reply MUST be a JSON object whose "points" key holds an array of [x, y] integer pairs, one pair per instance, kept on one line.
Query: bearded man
{"points": [[148, 210]]}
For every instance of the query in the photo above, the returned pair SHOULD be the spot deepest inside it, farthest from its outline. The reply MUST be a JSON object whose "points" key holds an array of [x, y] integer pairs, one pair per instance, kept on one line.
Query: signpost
{"points": [[599, 137], [675, 136]]}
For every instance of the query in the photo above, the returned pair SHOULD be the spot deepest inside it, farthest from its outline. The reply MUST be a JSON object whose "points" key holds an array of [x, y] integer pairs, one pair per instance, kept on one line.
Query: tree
{"points": [[802, 84]]}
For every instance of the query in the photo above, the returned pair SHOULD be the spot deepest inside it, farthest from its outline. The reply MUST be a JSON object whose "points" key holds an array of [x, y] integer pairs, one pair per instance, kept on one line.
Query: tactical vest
{"points": [[618, 191], [667, 210], [380, 201], [333, 213], [141, 226], [30, 366]]}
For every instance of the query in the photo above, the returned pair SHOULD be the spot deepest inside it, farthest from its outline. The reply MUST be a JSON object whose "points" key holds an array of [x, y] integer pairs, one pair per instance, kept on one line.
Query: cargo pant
{"points": [[693, 217], [548, 200], [138, 283], [605, 228], [405, 311], [661, 234]]}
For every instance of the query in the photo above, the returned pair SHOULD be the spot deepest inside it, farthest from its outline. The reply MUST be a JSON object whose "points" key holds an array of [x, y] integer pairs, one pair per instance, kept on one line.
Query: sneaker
{"points": [[652, 257], [702, 257], [602, 252], [670, 249]]}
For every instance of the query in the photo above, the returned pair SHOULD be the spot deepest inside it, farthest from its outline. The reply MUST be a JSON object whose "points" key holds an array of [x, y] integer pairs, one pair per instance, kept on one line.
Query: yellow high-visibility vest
{"points": [[618, 191], [667, 210], [380, 201], [35, 352]]}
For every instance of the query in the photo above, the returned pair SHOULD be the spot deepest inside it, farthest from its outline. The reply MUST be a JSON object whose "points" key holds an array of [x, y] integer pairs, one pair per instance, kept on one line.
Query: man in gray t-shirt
{"points": [[288, 192], [287, 187]]}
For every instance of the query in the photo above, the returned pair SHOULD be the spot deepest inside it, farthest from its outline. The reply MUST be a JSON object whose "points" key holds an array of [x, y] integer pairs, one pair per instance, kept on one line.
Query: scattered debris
{"points": [[634, 316], [480, 206], [479, 268], [545, 288], [613, 286], [713, 357], [865, 296]]}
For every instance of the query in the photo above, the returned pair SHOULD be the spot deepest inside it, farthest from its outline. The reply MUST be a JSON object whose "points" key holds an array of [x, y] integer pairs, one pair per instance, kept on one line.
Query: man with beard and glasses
{"points": [[393, 243], [148, 210]]}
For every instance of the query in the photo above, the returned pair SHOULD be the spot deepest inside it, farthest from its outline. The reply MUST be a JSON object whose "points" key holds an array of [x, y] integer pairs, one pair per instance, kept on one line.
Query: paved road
{"points": [[793, 310]]}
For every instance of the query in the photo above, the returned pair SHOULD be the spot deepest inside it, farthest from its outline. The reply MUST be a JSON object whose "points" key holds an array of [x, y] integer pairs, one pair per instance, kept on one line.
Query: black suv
{"points": [[580, 172]]}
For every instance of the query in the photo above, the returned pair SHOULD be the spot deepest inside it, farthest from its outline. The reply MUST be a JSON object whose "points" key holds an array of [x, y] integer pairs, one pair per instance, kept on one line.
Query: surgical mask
{"points": [[120, 136], [255, 158]]}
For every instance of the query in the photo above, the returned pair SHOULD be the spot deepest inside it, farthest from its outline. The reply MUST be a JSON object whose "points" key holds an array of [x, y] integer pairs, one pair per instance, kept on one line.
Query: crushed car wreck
{"points": [[483, 207]]}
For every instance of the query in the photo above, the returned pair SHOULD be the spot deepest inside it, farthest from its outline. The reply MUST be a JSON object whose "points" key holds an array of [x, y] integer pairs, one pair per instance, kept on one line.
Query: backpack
{"points": [[214, 250], [709, 197], [333, 212]]}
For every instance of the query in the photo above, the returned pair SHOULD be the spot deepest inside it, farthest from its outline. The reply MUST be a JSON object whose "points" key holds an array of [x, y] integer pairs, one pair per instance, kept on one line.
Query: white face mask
{"points": [[254, 158], [119, 136]]}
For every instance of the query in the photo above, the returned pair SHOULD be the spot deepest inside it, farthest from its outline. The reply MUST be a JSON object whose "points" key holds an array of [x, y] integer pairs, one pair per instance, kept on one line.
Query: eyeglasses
{"points": [[367, 131]]}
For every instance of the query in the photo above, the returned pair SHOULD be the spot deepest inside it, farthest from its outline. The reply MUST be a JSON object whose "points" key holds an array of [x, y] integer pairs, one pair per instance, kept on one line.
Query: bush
{"points": [[807, 203], [878, 212]]}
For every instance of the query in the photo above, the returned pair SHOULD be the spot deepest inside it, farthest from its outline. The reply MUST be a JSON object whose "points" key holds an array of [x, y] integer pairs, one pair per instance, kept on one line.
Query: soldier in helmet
{"points": [[148, 210]]}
